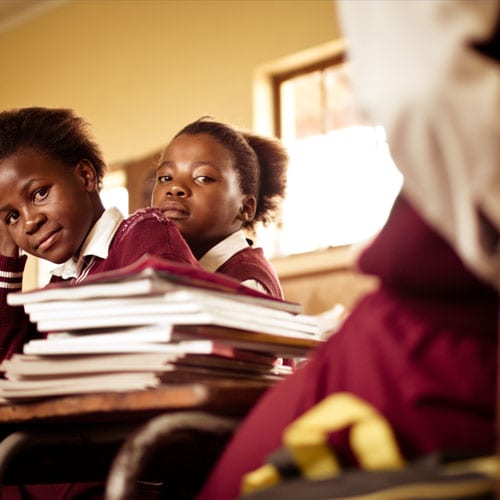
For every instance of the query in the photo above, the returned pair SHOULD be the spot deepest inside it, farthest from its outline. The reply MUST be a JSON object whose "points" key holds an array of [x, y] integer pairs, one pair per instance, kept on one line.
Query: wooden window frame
{"points": [[278, 78]]}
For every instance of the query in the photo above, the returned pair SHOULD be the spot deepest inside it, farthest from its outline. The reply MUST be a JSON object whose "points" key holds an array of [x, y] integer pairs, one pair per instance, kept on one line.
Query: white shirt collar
{"points": [[96, 243], [224, 250]]}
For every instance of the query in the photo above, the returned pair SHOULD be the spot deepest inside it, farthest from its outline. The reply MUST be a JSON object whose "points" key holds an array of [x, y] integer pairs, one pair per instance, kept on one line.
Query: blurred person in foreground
{"points": [[417, 358]]}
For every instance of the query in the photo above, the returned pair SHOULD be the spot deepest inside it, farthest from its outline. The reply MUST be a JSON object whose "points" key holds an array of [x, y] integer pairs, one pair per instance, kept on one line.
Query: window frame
{"points": [[278, 78]]}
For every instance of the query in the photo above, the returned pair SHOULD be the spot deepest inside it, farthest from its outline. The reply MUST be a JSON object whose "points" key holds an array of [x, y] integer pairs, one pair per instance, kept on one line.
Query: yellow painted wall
{"points": [[138, 70]]}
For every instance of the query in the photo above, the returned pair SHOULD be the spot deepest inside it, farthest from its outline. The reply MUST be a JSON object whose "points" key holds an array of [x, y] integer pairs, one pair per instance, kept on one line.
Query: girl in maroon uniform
{"points": [[215, 183], [50, 176]]}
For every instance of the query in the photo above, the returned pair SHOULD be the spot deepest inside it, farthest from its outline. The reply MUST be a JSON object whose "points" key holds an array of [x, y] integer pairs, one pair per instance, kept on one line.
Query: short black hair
{"points": [[57, 132]]}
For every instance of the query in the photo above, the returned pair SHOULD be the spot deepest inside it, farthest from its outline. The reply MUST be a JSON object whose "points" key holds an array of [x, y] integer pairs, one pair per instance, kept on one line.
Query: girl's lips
{"points": [[47, 241], [175, 210], [175, 214]]}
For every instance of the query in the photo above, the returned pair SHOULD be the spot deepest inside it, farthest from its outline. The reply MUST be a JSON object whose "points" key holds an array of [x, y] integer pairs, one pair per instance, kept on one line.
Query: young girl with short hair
{"points": [[215, 183], [50, 175]]}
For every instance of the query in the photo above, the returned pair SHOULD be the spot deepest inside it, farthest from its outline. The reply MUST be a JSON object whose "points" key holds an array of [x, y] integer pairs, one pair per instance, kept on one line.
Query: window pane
{"points": [[302, 106], [340, 107], [341, 179], [340, 189]]}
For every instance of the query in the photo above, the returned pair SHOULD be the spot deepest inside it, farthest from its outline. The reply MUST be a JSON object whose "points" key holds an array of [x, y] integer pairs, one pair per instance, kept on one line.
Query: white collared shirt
{"points": [[96, 244], [223, 251]]}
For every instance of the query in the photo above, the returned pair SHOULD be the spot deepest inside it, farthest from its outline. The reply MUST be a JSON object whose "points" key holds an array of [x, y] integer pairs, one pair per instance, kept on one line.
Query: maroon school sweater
{"points": [[145, 231], [422, 350], [251, 264]]}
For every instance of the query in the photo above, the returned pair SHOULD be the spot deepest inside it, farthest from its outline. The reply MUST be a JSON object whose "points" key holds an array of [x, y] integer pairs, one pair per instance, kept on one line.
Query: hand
{"points": [[7, 246]]}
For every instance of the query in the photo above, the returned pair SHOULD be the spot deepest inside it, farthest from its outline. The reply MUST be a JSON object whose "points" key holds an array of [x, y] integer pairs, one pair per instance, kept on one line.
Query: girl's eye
{"points": [[164, 178], [204, 179], [11, 217], [40, 194]]}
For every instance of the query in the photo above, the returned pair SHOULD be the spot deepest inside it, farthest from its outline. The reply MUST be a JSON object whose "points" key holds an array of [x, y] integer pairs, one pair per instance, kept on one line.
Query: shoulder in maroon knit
{"points": [[251, 264], [146, 231]]}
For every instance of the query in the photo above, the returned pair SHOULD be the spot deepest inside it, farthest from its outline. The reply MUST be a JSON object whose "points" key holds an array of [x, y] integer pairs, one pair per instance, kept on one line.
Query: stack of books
{"points": [[153, 322]]}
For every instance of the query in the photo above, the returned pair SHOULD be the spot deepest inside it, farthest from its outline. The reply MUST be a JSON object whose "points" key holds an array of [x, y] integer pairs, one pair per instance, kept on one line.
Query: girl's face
{"points": [[198, 189], [46, 206]]}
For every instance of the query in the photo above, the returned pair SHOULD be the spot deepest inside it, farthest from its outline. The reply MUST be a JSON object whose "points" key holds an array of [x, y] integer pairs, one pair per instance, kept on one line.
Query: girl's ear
{"points": [[248, 208], [87, 174]]}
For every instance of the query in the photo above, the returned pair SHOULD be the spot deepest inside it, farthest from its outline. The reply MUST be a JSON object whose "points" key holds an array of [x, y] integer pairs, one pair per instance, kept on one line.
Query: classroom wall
{"points": [[139, 70], [324, 279]]}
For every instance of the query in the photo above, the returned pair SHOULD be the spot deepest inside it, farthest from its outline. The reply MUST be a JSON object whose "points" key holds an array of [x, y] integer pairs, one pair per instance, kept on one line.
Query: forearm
{"points": [[15, 327]]}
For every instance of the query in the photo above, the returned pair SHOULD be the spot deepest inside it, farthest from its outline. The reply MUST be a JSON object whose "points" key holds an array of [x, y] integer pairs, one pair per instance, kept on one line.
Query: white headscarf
{"points": [[416, 73]]}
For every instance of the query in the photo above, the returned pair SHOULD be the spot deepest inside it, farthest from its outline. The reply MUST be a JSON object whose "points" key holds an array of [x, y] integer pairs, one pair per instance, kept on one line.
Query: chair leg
{"points": [[199, 436], [65, 454]]}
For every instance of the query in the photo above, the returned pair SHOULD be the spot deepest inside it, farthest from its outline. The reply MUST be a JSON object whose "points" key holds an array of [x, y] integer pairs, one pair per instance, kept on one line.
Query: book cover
{"points": [[237, 365], [279, 345], [191, 345], [177, 301], [26, 390], [89, 345], [41, 367], [185, 373], [202, 339], [202, 315], [47, 367], [29, 377], [148, 275]]}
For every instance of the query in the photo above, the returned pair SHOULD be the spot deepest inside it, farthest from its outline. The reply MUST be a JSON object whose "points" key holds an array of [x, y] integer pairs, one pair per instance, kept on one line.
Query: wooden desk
{"points": [[233, 398], [72, 439]]}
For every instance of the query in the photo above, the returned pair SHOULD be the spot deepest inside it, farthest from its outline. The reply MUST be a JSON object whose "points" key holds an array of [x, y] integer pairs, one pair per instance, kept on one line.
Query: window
{"points": [[341, 178]]}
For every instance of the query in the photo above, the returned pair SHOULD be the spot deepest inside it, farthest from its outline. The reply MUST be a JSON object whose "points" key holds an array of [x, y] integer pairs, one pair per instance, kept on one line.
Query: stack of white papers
{"points": [[153, 323]]}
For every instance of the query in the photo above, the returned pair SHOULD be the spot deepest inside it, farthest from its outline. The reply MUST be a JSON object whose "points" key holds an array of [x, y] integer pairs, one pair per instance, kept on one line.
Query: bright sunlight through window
{"points": [[341, 186], [341, 181]]}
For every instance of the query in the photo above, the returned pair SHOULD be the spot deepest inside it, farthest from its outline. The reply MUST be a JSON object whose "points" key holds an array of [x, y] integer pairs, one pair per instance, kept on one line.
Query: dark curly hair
{"points": [[261, 163], [58, 133]]}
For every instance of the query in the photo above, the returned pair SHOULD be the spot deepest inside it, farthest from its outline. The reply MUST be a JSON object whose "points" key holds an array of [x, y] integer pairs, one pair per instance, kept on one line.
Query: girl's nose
{"points": [[33, 221], [178, 190]]}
